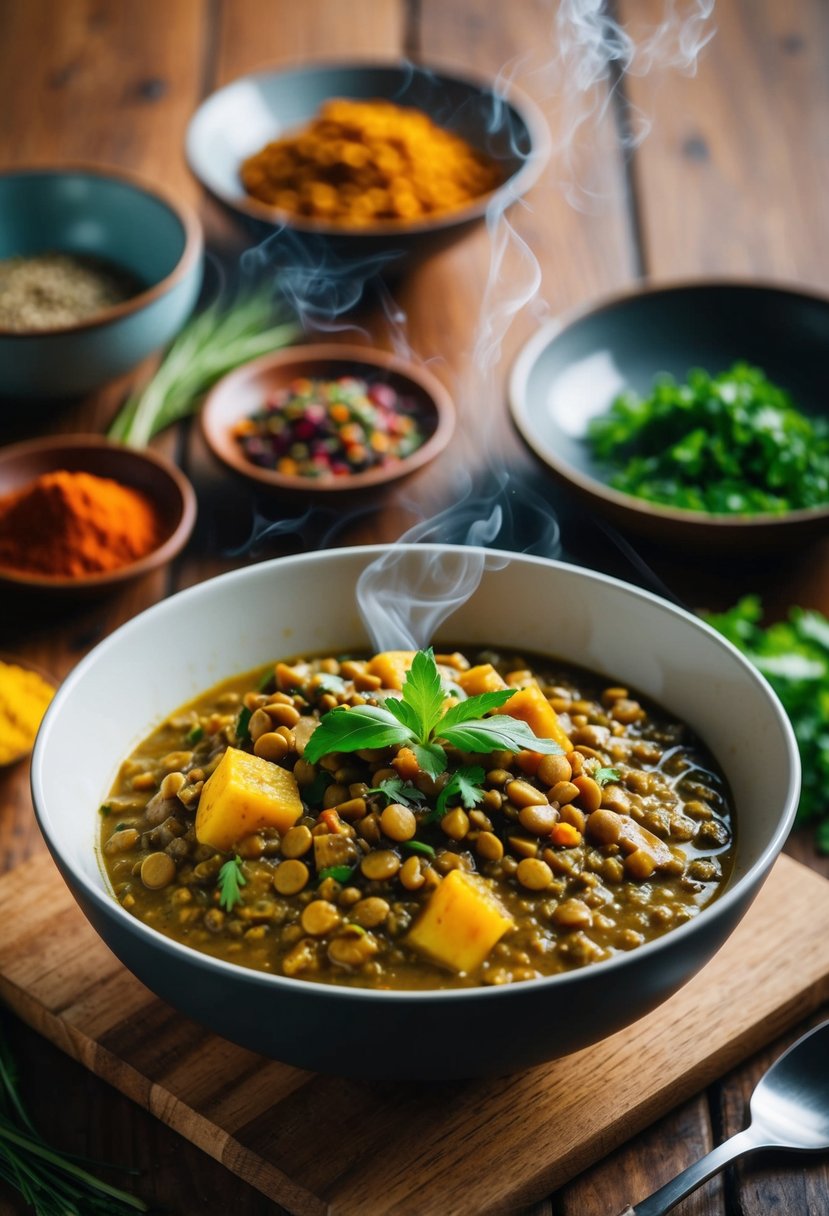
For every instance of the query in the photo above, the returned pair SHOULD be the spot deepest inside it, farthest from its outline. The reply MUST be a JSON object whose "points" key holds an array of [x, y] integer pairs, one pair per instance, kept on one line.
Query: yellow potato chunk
{"points": [[391, 666], [243, 794], [480, 679], [532, 707], [461, 922]]}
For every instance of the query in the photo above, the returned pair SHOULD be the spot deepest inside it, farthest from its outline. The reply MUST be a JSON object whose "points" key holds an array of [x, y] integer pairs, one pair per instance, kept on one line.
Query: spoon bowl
{"points": [[789, 1110]]}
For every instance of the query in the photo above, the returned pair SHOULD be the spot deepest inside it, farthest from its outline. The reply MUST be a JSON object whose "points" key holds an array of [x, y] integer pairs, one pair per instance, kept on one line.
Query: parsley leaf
{"points": [[242, 727], [417, 846], [499, 733], [395, 789], [339, 873], [417, 720], [349, 730], [231, 879], [464, 785], [605, 775]]}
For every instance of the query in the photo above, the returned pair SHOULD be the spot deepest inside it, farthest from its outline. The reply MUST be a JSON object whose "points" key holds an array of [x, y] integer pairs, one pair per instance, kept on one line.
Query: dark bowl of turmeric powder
{"points": [[82, 514], [373, 163]]}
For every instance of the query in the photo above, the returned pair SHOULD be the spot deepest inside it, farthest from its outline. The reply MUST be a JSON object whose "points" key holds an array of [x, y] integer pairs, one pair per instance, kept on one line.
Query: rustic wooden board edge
{"points": [[172, 1111]]}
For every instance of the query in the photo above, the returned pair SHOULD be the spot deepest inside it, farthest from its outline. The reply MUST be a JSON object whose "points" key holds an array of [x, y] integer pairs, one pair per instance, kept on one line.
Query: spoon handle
{"points": [[663, 1200]]}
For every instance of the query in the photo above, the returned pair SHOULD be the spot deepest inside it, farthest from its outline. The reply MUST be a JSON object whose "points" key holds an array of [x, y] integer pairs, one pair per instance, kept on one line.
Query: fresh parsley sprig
{"points": [[231, 879], [417, 720], [605, 775], [395, 789], [463, 786]]}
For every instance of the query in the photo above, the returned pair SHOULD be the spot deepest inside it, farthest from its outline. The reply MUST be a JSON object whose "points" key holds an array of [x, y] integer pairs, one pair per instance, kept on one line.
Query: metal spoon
{"points": [[789, 1110]]}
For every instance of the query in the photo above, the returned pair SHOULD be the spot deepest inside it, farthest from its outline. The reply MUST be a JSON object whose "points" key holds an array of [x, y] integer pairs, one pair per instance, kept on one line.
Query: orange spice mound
{"points": [[69, 524], [359, 162]]}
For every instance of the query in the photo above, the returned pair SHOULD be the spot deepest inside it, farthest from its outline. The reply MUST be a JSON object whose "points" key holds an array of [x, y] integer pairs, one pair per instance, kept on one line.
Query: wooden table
{"points": [[732, 179]]}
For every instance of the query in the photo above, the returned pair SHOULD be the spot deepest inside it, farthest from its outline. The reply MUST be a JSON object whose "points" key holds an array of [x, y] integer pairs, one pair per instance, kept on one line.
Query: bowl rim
{"points": [[105, 902], [526, 359], [371, 357], [158, 556], [522, 180], [186, 215]]}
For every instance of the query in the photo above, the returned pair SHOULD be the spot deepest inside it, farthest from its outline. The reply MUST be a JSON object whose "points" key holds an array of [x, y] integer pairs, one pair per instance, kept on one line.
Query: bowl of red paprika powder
{"points": [[80, 513]]}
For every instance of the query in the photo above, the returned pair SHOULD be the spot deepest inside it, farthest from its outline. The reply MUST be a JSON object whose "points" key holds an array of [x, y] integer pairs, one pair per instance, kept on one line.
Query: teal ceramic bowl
{"points": [[248, 113], [126, 222]]}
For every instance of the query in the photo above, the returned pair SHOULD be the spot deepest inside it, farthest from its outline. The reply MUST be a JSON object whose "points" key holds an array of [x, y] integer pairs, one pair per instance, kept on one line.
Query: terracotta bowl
{"points": [[165, 485], [246, 389], [248, 113], [572, 370]]}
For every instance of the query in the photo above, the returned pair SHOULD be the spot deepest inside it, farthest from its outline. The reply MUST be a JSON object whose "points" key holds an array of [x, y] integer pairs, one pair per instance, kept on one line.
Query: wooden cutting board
{"points": [[319, 1144]]}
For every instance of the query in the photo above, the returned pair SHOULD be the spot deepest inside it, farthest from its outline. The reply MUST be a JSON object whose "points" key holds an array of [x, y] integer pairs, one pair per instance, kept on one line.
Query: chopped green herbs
{"points": [[231, 879], [395, 789], [605, 775], [463, 786], [417, 720], [242, 727], [417, 846], [104, 809], [193, 736], [731, 444], [793, 655], [338, 873]]}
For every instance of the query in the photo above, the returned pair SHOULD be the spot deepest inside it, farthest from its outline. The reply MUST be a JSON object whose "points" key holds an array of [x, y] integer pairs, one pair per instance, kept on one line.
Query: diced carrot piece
{"points": [[405, 762], [480, 679], [391, 666], [531, 706], [565, 835]]}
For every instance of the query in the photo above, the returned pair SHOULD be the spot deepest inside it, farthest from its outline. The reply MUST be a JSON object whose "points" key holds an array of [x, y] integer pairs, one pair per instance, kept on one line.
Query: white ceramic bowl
{"points": [[233, 623]]}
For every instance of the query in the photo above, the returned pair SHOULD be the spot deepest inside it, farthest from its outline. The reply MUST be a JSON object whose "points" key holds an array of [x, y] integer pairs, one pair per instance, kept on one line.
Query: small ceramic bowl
{"points": [[242, 117], [246, 389], [572, 370], [164, 485], [134, 226]]}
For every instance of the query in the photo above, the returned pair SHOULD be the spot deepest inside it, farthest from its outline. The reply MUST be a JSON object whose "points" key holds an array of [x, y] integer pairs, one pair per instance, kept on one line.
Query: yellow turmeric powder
{"points": [[24, 698], [360, 162]]}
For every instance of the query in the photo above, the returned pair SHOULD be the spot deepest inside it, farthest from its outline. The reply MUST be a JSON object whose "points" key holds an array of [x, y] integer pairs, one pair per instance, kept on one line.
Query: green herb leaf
{"points": [[312, 794], [194, 735], [417, 846], [499, 733], [242, 727], [464, 786], [394, 789], [431, 757], [605, 775], [231, 879], [475, 707], [350, 729], [423, 692], [338, 873], [404, 713]]}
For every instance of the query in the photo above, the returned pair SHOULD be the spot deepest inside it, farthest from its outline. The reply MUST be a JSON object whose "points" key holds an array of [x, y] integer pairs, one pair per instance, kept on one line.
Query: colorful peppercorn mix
{"points": [[331, 428]]}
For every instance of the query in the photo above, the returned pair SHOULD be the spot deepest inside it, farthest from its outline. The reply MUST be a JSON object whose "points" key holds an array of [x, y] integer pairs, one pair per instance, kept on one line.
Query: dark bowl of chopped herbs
{"points": [[692, 414]]}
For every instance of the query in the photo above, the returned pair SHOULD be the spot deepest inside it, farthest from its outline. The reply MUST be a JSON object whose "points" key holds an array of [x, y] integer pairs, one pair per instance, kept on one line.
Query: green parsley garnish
{"points": [[194, 735], [793, 655], [605, 775], [417, 720], [465, 786], [395, 789], [417, 846], [231, 879], [242, 727], [731, 444], [338, 873]]}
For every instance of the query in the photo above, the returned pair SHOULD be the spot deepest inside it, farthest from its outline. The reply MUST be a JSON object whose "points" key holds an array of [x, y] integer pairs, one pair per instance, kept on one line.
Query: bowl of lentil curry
{"points": [[292, 622], [80, 514], [98, 269], [327, 418], [365, 158]]}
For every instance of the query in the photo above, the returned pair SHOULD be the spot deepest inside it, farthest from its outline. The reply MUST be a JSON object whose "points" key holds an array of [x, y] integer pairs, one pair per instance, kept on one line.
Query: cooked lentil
{"points": [[573, 869]]}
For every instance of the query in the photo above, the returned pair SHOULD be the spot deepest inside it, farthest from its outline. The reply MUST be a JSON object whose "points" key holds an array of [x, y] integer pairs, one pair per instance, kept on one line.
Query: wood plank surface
{"points": [[408, 1149]]}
